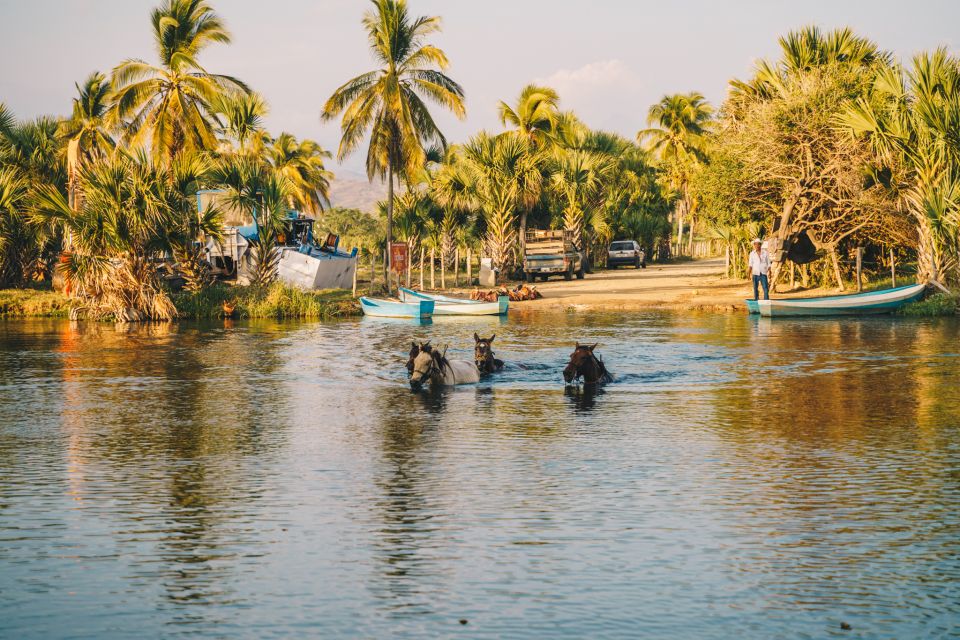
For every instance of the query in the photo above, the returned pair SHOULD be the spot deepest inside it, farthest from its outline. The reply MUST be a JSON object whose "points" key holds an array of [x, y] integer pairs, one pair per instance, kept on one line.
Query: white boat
{"points": [[446, 306], [883, 301], [380, 308]]}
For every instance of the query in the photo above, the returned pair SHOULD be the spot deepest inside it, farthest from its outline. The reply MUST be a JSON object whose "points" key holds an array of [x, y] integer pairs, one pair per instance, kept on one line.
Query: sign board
{"points": [[399, 256]]}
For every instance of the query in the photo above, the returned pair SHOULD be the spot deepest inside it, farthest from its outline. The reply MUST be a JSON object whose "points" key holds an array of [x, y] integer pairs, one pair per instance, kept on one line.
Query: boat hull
{"points": [[873, 302], [753, 306], [445, 306], [379, 308]]}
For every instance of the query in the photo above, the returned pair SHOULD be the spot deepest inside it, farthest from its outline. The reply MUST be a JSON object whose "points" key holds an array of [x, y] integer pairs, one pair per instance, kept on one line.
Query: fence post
{"points": [[356, 268], [859, 268], [893, 270]]}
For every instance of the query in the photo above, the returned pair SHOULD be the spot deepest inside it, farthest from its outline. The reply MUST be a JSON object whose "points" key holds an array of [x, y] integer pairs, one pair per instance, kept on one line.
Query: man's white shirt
{"points": [[759, 263]]}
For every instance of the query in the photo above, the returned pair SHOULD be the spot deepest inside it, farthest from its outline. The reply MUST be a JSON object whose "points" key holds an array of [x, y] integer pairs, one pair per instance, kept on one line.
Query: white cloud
{"points": [[605, 94]]}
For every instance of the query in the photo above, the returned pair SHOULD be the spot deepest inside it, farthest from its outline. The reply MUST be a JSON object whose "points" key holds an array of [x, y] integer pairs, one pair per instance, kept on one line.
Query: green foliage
{"points": [[274, 301], [939, 304], [21, 303]]}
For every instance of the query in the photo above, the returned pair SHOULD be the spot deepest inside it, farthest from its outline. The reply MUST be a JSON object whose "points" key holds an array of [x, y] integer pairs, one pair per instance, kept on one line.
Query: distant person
{"points": [[760, 269]]}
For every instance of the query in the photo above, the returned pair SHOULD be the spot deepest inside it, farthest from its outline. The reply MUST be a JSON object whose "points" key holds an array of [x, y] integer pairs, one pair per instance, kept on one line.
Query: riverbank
{"points": [[276, 301], [695, 285]]}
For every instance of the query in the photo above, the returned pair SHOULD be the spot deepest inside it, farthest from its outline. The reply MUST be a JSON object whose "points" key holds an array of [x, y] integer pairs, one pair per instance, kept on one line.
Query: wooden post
{"points": [[443, 269], [793, 276], [422, 251], [456, 268], [356, 268], [859, 268], [726, 261], [373, 269], [433, 284], [409, 264], [893, 270], [836, 268], [469, 267]]}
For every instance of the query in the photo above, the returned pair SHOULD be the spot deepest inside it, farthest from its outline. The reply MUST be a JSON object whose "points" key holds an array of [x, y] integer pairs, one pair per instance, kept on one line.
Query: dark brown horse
{"points": [[483, 355], [586, 366]]}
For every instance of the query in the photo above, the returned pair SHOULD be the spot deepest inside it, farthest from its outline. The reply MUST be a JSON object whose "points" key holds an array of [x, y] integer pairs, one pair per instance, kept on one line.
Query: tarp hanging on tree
{"points": [[801, 248]]}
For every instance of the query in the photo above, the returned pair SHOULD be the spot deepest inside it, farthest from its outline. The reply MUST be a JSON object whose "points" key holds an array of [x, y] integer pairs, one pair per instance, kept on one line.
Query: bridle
{"points": [[482, 354]]}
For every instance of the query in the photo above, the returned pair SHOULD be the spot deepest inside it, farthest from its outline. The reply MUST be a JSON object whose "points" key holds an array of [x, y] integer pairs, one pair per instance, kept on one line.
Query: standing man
{"points": [[760, 269]]}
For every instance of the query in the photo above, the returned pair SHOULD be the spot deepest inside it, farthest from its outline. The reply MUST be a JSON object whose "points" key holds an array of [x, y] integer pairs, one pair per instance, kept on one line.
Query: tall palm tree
{"points": [[534, 118], [301, 163], [87, 130], [388, 102], [172, 104], [679, 138], [535, 114]]}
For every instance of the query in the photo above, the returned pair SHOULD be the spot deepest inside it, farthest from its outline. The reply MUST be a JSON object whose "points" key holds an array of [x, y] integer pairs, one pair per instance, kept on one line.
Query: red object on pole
{"points": [[399, 257]]}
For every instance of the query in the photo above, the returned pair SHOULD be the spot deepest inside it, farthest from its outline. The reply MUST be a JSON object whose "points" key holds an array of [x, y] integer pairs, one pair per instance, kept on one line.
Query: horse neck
{"points": [[591, 364]]}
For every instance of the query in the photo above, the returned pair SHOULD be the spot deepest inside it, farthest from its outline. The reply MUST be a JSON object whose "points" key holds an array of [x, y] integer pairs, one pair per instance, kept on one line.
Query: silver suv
{"points": [[626, 252]]}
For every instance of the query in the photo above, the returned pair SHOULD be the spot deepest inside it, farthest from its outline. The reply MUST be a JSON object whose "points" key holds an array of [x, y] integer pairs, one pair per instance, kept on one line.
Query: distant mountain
{"points": [[352, 190]]}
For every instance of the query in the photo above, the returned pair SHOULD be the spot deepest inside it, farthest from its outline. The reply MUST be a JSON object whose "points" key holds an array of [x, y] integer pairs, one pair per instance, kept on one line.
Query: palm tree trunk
{"points": [[386, 259], [422, 252], [469, 266], [443, 269], [456, 268], [433, 284]]}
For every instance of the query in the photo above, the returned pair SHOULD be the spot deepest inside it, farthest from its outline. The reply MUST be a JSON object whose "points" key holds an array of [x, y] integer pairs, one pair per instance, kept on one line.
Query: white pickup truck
{"points": [[552, 252]]}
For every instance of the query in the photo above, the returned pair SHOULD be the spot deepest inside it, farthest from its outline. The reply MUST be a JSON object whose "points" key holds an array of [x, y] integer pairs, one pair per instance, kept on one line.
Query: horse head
{"points": [[426, 366], [584, 364], [483, 353]]}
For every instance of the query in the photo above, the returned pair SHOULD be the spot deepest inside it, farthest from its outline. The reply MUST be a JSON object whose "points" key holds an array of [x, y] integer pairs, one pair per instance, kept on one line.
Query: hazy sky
{"points": [[609, 59]]}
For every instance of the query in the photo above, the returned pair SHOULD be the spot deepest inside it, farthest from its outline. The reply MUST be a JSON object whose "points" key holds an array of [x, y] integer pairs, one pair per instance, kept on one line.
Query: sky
{"points": [[609, 59]]}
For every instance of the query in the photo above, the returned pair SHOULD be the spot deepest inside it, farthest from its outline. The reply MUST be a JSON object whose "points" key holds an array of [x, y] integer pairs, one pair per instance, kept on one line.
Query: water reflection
{"points": [[220, 480]]}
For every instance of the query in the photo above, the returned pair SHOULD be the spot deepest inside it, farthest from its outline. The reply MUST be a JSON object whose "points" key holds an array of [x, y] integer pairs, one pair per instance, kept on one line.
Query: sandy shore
{"points": [[686, 285]]}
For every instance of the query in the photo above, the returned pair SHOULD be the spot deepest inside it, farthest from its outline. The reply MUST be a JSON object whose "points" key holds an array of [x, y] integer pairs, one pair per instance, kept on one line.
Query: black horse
{"points": [[483, 355], [587, 366]]}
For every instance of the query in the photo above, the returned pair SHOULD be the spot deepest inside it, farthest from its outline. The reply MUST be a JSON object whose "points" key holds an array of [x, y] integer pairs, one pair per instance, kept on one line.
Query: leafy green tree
{"points": [[301, 164], [87, 130]]}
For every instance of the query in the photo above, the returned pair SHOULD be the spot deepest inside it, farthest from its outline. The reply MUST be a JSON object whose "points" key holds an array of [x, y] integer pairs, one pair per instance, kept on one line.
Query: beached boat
{"points": [[883, 301], [753, 306], [446, 306], [392, 309]]}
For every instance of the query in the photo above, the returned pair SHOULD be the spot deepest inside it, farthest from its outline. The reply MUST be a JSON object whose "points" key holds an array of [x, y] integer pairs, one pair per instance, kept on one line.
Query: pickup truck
{"points": [[552, 252]]}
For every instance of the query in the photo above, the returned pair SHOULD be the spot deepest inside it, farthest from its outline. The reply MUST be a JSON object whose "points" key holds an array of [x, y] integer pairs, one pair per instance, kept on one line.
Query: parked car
{"points": [[626, 252], [552, 252]]}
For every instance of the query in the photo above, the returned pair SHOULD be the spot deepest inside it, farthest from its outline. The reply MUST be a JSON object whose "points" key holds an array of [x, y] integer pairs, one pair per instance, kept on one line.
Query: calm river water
{"points": [[742, 478]]}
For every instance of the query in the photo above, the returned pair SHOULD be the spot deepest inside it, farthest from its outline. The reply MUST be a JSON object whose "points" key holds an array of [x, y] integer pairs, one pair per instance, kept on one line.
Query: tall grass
{"points": [[273, 301], [33, 302]]}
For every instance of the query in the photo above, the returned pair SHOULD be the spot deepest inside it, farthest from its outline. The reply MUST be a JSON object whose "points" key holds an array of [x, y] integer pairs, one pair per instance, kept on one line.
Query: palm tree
{"points": [[301, 163], [243, 117], [388, 102], [535, 115], [579, 176], [119, 226], [19, 246], [911, 120], [535, 119], [87, 130], [172, 104], [500, 174], [679, 138]]}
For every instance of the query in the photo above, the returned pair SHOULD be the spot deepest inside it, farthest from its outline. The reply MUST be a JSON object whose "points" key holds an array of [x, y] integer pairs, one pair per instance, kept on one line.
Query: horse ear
{"points": [[492, 337], [413, 345], [476, 338], [593, 346], [578, 344]]}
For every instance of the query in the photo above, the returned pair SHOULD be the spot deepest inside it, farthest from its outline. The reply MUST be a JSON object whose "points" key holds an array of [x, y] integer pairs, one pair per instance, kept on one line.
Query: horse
{"points": [[430, 365], [414, 352], [483, 355], [584, 364]]}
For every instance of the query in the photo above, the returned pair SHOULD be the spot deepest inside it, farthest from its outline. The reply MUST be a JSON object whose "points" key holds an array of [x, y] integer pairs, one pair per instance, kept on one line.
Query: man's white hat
{"points": [[757, 241]]}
